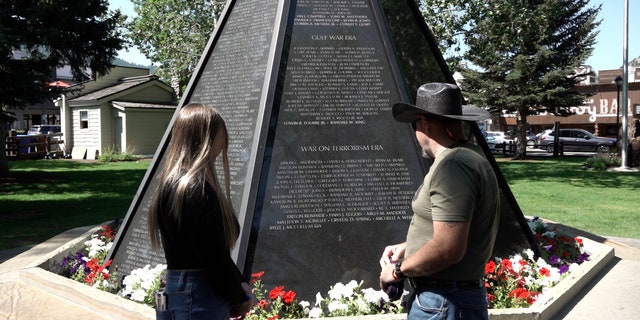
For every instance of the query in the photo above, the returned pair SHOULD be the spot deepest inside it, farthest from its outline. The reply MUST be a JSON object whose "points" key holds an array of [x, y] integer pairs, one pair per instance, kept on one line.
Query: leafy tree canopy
{"points": [[36, 36], [174, 34], [521, 55], [526, 53], [50, 34]]}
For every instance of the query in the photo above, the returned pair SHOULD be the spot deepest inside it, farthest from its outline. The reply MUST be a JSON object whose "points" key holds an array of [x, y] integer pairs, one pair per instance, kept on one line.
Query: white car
{"points": [[500, 135], [496, 140]]}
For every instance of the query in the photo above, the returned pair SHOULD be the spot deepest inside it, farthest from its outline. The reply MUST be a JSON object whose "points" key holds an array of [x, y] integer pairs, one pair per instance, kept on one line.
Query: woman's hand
{"points": [[238, 311]]}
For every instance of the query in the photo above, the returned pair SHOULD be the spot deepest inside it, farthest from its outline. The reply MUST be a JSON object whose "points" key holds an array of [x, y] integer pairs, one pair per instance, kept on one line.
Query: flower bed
{"points": [[515, 282]]}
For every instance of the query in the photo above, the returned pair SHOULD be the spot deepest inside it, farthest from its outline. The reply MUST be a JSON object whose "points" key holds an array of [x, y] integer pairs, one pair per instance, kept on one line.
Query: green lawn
{"points": [[43, 198], [600, 202]]}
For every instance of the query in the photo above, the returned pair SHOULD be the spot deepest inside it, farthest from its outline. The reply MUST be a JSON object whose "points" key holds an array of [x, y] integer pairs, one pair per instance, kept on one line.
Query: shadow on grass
{"points": [[41, 199]]}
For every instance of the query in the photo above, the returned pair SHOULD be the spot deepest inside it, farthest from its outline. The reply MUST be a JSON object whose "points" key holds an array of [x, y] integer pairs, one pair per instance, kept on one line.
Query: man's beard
{"points": [[425, 154]]}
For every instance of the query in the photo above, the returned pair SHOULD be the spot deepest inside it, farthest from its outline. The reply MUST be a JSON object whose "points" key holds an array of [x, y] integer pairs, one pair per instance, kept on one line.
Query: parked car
{"points": [[496, 140], [576, 140], [44, 129], [532, 139], [500, 135]]}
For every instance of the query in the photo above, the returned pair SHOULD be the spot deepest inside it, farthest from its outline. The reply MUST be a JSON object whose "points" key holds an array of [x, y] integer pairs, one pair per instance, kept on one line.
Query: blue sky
{"points": [[609, 49], [607, 54]]}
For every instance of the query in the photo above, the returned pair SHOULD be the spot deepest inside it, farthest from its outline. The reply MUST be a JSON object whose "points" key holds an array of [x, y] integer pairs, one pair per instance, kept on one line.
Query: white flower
{"points": [[305, 306], [142, 282], [336, 292], [363, 306], [573, 266], [336, 305], [374, 296], [554, 276], [138, 295], [529, 253], [315, 313], [515, 263], [96, 246], [350, 288]]}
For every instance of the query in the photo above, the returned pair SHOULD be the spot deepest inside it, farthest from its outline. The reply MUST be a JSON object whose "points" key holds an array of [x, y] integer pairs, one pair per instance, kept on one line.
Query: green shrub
{"points": [[601, 161], [110, 155]]}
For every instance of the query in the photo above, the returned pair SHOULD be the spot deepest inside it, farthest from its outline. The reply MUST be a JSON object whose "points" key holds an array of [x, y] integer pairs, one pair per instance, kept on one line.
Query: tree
{"points": [[50, 34], [174, 34], [522, 55], [448, 20]]}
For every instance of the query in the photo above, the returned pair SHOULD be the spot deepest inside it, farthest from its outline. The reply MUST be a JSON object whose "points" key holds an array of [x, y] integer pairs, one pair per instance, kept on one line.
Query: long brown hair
{"points": [[190, 159]]}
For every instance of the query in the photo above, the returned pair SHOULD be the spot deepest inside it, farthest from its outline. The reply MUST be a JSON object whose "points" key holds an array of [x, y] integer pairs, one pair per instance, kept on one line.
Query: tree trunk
{"points": [[175, 82], [521, 134]]}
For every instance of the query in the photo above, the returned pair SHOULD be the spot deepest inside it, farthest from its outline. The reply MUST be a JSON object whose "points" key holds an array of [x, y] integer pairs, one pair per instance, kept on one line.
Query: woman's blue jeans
{"points": [[448, 303], [189, 296]]}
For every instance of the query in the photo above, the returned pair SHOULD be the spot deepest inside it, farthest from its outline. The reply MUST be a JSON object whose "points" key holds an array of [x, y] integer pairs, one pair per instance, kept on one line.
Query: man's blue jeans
{"points": [[448, 303]]}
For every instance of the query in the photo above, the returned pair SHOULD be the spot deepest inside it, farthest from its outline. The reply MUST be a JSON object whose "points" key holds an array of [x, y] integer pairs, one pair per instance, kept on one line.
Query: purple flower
{"points": [[563, 268], [75, 262], [65, 261], [582, 258]]}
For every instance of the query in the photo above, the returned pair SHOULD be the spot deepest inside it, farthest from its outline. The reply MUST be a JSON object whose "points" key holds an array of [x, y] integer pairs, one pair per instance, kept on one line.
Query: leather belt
{"points": [[426, 282]]}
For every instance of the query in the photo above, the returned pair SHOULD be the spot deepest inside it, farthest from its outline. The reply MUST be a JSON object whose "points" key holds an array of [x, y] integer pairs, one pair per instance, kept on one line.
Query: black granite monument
{"points": [[322, 176]]}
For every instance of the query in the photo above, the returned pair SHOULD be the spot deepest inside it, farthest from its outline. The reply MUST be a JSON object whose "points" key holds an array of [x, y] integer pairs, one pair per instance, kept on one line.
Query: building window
{"points": [[84, 119]]}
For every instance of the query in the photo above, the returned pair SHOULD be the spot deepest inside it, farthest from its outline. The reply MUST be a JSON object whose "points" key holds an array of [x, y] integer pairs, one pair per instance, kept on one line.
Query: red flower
{"points": [[256, 276], [564, 239], [288, 297], [506, 263], [519, 293], [107, 233], [263, 304], [95, 267], [578, 240], [276, 292], [544, 271], [490, 267]]}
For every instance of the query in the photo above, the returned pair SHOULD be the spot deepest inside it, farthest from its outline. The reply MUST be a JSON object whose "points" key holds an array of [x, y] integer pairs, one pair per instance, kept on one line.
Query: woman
{"points": [[195, 222]]}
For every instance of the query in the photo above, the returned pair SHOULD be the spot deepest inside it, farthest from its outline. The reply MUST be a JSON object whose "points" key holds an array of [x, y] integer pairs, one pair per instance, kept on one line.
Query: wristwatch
{"points": [[397, 271]]}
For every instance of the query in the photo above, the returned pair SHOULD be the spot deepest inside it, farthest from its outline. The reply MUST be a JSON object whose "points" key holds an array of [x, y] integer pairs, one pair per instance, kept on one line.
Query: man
{"points": [[455, 212]]}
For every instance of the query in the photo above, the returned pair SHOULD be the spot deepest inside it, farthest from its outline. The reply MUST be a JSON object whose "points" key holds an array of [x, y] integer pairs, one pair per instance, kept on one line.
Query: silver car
{"points": [[576, 140]]}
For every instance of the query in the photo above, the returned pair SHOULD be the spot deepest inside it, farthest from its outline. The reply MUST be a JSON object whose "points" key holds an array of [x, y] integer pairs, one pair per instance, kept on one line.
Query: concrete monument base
{"points": [[30, 291]]}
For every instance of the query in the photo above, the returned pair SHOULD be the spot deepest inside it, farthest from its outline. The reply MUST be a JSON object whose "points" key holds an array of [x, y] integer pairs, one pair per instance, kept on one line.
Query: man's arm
{"points": [[447, 247]]}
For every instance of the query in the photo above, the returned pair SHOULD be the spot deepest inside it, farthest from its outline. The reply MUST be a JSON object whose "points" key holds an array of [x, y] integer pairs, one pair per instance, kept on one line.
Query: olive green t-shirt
{"points": [[460, 186]]}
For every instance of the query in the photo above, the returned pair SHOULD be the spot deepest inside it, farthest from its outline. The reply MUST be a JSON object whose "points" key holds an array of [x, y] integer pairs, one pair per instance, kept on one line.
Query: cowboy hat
{"points": [[440, 100]]}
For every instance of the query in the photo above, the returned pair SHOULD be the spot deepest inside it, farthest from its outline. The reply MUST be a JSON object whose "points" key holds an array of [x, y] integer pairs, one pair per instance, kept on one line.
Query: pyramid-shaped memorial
{"points": [[322, 176]]}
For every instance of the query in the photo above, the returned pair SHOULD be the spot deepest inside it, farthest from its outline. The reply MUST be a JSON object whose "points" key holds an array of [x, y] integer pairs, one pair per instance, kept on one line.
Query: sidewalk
{"points": [[611, 294]]}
